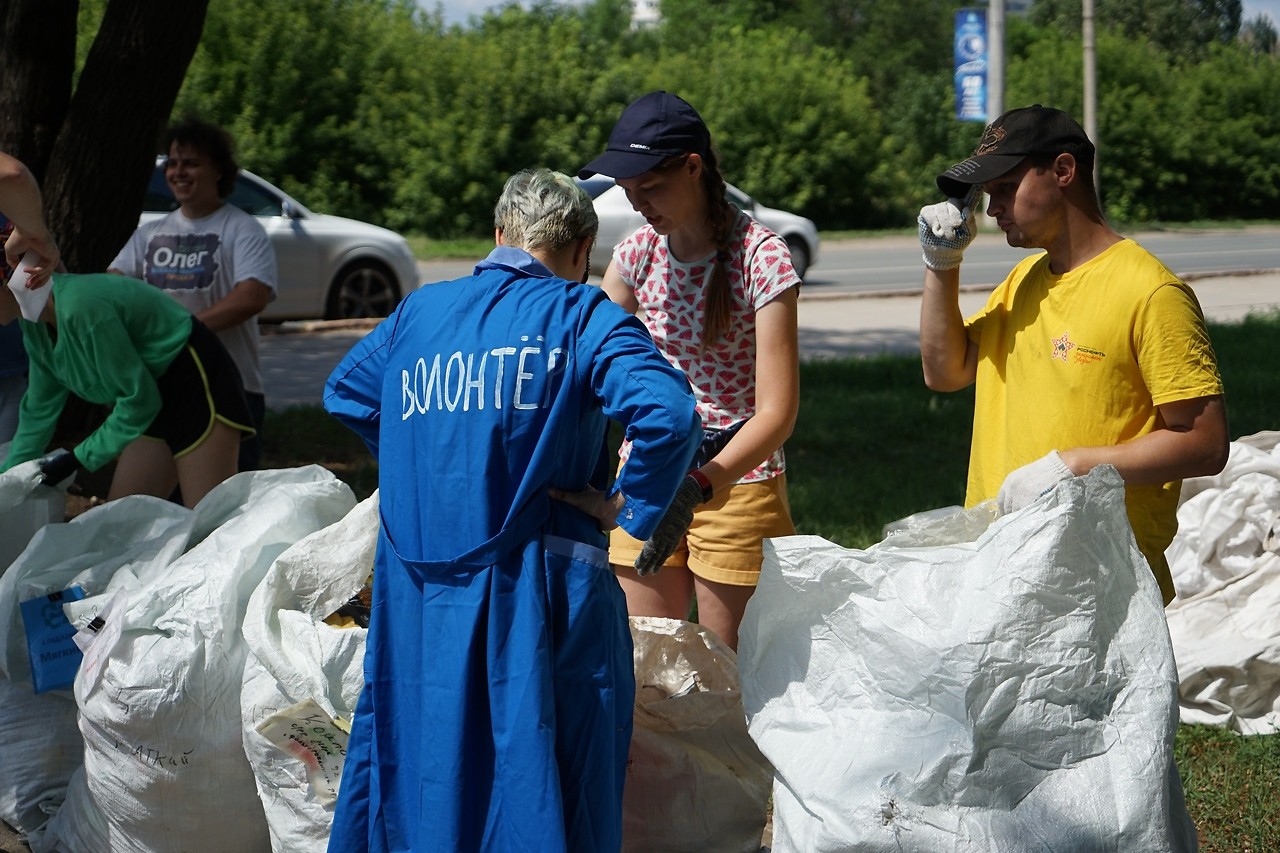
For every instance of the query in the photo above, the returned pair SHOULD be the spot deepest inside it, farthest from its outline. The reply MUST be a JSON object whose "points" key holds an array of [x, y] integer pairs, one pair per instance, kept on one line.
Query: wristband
{"points": [[703, 483]]}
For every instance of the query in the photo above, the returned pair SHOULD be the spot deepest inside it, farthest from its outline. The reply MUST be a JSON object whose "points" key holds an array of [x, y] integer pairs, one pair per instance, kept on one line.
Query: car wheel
{"points": [[799, 255], [362, 289]]}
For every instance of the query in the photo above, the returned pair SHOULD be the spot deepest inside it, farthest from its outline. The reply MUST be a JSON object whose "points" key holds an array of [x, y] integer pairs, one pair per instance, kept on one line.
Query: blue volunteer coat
{"points": [[497, 704]]}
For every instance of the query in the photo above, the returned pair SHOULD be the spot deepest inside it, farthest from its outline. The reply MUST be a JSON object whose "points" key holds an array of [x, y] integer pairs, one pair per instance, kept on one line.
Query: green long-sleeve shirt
{"points": [[114, 337]]}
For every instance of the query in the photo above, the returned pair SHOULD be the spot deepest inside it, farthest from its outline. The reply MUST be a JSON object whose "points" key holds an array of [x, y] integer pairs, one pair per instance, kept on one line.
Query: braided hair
{"points": [[718, 313]]}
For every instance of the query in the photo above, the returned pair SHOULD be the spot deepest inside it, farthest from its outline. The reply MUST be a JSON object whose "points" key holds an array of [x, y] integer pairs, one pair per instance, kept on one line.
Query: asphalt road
{"points": [[892, 264], [838, 317]]}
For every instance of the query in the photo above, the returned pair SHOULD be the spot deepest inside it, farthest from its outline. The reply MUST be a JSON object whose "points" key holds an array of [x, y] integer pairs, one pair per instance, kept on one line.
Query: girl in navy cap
{"points": [[719, 297]]}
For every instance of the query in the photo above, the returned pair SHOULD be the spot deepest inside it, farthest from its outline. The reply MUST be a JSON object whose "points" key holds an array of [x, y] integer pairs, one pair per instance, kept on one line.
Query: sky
{"points": [[1270, 8], [458, 11]]}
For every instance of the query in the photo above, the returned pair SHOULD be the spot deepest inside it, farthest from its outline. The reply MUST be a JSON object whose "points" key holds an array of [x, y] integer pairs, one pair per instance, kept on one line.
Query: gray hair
{"points": [[542, 209]]}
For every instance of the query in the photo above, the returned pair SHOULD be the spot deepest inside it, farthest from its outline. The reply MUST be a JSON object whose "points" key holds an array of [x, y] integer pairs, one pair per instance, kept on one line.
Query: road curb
{"points": [[296, 327], [809, 296]]}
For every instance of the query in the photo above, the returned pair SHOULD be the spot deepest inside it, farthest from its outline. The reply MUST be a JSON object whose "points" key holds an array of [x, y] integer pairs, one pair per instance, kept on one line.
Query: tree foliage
{"points": [[90, 137], [839, 109], [1178, 141], [1259, 34], [791, 137], [1183, 27]]}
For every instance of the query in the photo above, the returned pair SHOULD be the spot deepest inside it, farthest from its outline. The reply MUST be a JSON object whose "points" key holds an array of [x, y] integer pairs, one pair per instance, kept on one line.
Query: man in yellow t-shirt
{"points": [[1090, 353]]}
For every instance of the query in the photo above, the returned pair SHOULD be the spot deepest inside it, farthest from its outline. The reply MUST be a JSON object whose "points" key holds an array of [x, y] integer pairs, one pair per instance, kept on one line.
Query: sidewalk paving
{"points": [[298, 357], [890, 323]]}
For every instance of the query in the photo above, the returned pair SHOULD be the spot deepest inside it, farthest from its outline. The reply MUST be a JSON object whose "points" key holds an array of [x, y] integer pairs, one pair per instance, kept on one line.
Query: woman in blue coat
{"points": [[496, 711]]}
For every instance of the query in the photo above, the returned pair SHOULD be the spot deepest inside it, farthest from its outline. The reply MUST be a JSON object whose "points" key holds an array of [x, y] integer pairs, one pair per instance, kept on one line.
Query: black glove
{"points": [[58, 466], [672, 528]]}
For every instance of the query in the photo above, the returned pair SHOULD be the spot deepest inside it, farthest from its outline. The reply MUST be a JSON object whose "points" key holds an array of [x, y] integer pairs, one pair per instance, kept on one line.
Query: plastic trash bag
{"points": [[101, 548], [159, 706], [695, 779], [42, 746], [1011, 690], [1225, 561], [294, 658], [25, 507]]}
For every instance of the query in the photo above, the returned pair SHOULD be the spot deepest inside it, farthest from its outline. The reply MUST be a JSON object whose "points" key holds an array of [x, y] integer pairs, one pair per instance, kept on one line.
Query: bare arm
{"points": [[20, 201], [617, 290], [1193, 443], [949, 358], [245, 301], [777, 395]]}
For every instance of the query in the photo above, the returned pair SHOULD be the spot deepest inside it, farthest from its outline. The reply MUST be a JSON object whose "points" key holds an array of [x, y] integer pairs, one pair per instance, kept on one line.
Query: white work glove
{"points": [[1032, 480], [947, 228]]}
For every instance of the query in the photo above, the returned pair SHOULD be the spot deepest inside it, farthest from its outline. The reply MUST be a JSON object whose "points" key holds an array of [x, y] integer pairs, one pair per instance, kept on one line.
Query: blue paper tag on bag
{"points": [[54, 655]]}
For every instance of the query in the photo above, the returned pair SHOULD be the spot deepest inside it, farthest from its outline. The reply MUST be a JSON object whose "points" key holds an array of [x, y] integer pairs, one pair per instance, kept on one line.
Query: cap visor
{"points": [[956, 181], [621, 164]]}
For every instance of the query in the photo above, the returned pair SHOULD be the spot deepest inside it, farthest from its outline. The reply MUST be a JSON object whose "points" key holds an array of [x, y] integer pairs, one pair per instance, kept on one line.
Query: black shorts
{"points": [[200, 386]]}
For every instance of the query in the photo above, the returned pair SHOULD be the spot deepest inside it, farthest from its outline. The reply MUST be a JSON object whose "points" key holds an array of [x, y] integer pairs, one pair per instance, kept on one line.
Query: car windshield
{"points": [[159, 199], [254, 199], [247, 195]]}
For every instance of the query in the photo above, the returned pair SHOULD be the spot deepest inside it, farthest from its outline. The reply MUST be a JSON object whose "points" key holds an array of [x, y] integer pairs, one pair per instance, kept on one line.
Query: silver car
{"points": [[618, 219], [330, 267]]}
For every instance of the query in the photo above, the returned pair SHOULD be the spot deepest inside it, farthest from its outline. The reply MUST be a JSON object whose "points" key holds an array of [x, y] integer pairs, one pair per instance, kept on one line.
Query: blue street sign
{"points": [[971, 65]]}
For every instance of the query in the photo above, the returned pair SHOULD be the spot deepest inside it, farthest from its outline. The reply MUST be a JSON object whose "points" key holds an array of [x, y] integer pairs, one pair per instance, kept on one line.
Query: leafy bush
{"points": [[842, 111]]}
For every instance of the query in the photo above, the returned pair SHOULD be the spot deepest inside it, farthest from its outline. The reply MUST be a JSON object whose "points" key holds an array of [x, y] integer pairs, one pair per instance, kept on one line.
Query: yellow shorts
{"points": [[724, 542]]}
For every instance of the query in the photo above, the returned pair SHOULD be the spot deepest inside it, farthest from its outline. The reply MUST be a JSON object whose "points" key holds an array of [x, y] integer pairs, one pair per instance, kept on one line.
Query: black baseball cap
{"points": [[653, 128], [1010, 139]]}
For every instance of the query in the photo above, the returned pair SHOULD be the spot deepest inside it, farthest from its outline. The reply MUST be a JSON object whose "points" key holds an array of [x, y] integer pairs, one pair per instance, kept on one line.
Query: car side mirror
{"points": [[288, 211]]}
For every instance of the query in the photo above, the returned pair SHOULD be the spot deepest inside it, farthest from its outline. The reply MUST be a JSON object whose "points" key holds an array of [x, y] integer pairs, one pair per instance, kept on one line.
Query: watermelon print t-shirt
{"points": [[671, 292]]}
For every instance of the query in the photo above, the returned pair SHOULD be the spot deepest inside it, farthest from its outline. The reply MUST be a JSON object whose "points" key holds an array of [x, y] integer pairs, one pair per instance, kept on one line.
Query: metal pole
{"points": [[1090, 81], [995, 59]]}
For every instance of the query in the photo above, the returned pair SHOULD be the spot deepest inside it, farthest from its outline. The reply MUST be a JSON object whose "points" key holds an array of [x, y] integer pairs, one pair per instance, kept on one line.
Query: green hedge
{"points": [[375, 109]]}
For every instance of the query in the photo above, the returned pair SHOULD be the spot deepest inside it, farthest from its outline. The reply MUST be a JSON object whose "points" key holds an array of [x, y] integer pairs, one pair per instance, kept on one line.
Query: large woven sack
{"points": [[969, 687]]}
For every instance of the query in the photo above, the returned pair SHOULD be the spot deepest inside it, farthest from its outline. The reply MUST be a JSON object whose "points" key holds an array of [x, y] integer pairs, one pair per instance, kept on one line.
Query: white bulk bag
{"points": [[1225, 561], [1227, 521], [164, 765], [1012, 691], [102, 548], [25, 507], [293, 656]]}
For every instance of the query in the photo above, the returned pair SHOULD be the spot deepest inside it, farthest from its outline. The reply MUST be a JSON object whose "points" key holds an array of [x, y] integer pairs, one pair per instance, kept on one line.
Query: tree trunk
{"points": [[93, 152], [105, 149], [37, 59]]}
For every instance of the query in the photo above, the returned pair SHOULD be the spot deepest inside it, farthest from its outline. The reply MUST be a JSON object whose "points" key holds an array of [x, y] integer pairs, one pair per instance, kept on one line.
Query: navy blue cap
{"points": [[653, 128]]}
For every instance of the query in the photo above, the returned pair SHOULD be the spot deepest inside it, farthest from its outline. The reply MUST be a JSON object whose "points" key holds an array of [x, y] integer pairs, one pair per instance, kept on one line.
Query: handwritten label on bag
{"points": [[97, 639], [309, 734]]}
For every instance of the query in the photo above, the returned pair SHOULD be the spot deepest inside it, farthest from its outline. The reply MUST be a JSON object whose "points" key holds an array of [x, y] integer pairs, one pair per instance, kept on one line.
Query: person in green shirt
{"points": [[177, 405]]}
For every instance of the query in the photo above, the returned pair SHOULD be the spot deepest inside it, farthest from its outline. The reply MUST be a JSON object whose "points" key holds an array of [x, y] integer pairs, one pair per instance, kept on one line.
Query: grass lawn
{"points": [[873, 445], [459, 249]]}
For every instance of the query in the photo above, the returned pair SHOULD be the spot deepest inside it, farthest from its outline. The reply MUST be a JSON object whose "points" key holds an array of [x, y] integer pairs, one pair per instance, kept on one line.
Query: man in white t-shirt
{"points": [[210, 256]]}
